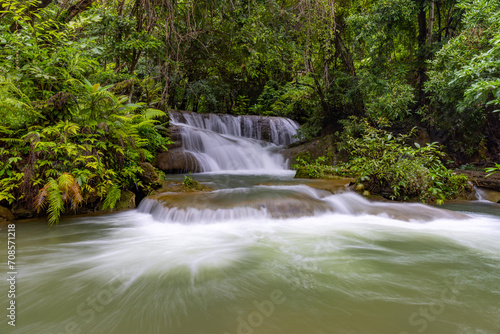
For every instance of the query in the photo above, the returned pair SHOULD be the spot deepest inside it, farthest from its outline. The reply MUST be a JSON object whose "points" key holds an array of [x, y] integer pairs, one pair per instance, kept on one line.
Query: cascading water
{"points": [[258, 254], [235, 143]]}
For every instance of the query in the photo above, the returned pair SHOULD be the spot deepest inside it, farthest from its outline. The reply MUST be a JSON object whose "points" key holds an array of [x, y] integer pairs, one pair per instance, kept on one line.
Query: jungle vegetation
{"points": [[84, 84]]}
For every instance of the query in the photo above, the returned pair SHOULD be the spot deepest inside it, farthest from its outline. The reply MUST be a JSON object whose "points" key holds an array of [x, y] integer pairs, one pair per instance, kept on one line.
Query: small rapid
{"points": [[277, 202]]}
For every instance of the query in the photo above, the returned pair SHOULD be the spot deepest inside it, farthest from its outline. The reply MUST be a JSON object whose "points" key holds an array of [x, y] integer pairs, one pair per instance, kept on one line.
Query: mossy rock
{"points": [[324, 146], [150, 176], [190, 184], [126, 202], [6, 214]]}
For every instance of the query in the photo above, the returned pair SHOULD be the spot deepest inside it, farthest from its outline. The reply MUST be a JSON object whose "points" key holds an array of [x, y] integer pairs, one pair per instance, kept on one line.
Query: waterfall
{"points": [[235, 143]]}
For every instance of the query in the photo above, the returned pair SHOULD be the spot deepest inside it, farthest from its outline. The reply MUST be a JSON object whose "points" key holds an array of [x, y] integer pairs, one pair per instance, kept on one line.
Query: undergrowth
{"points": [[390, 165]]}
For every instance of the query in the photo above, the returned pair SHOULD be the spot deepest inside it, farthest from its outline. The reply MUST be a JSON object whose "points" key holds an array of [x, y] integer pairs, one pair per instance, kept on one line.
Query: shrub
{"points": [[389, 165]]}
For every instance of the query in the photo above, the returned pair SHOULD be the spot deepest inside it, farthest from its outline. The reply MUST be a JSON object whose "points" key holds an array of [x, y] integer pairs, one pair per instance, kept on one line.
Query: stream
{"points": [[261, 253]]}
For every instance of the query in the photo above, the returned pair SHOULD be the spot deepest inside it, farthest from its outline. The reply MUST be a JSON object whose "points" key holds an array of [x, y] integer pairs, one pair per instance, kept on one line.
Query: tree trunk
{"points": [[76, 9], [438, 8], [431, 23], [422, 53]]}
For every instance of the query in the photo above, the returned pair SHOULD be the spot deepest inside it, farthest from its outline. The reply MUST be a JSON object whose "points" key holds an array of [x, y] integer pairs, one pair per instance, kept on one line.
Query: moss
{"points": [[190, 184]]}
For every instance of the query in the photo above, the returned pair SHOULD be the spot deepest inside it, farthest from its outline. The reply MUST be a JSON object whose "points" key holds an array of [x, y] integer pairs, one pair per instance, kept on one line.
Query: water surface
{"points": [[355, 268]]}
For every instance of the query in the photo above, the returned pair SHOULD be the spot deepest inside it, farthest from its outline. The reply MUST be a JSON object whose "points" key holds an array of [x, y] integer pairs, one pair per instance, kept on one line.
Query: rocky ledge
{"points": [[480, 179]]}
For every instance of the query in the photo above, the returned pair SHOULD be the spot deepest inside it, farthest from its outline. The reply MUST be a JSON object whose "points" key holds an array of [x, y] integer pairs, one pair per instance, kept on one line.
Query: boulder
{"points": [[177, 161], [311, 150], [175, 135], [6, 214], [479, 179], [490, 195], [127, 201], [149, 176], [21, 212]]}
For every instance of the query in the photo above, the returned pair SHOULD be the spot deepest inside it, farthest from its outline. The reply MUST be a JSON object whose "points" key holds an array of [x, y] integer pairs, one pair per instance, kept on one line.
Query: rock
{"points": [[174, 133], [177, 161], [423, 137], [479, 179], [126, 202], [21, 212], [489, 195], [149, 176], [265, 129], [360, 186], [6, 214], [310, 151]]}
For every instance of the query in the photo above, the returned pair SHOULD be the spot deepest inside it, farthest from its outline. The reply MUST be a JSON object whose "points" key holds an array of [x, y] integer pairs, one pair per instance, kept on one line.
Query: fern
{"points": [[113, 195], [70, 190], [50, 193], [153, 113], [56, 203], [55, 194]]}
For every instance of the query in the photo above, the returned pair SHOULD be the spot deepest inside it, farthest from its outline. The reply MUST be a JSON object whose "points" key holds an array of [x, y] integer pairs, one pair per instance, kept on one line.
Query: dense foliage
{"points": [[63, 139], [82, 82], [391, 165]]}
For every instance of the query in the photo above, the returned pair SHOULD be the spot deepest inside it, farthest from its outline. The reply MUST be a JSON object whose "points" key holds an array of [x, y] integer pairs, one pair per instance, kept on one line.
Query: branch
{"points": [[76, 9]]}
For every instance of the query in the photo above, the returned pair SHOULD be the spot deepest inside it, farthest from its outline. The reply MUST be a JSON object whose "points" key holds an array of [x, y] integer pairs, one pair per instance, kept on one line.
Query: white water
{"points": [[224, 143], [259, 255], [348, 272]]}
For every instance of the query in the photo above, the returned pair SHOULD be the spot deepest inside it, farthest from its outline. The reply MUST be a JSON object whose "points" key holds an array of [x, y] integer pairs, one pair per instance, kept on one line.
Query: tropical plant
{"points": [[56, 193]]}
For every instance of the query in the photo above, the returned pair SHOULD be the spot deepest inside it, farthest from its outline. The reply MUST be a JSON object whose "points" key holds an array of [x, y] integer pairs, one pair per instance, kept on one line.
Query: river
{"points": [[260, 254]]}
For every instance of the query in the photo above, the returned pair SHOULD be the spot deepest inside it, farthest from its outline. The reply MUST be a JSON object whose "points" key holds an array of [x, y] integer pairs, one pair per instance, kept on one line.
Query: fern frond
{"points": [[113, 195], [50, 193], [65, 181], [75, 194], [40, 198], [11, 140], [6, 130], [56, 203], [71, 128], [146, 123], [153, 113]]}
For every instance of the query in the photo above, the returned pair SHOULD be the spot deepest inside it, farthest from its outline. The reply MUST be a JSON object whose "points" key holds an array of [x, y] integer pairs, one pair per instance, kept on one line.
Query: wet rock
{"points": [[6, 214], [231, 205], [21, 212], [177, 161], [489, 195], [175, 135], [126, 202], [149, 176], [265, 129], [479, 179], [311, 150]]}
